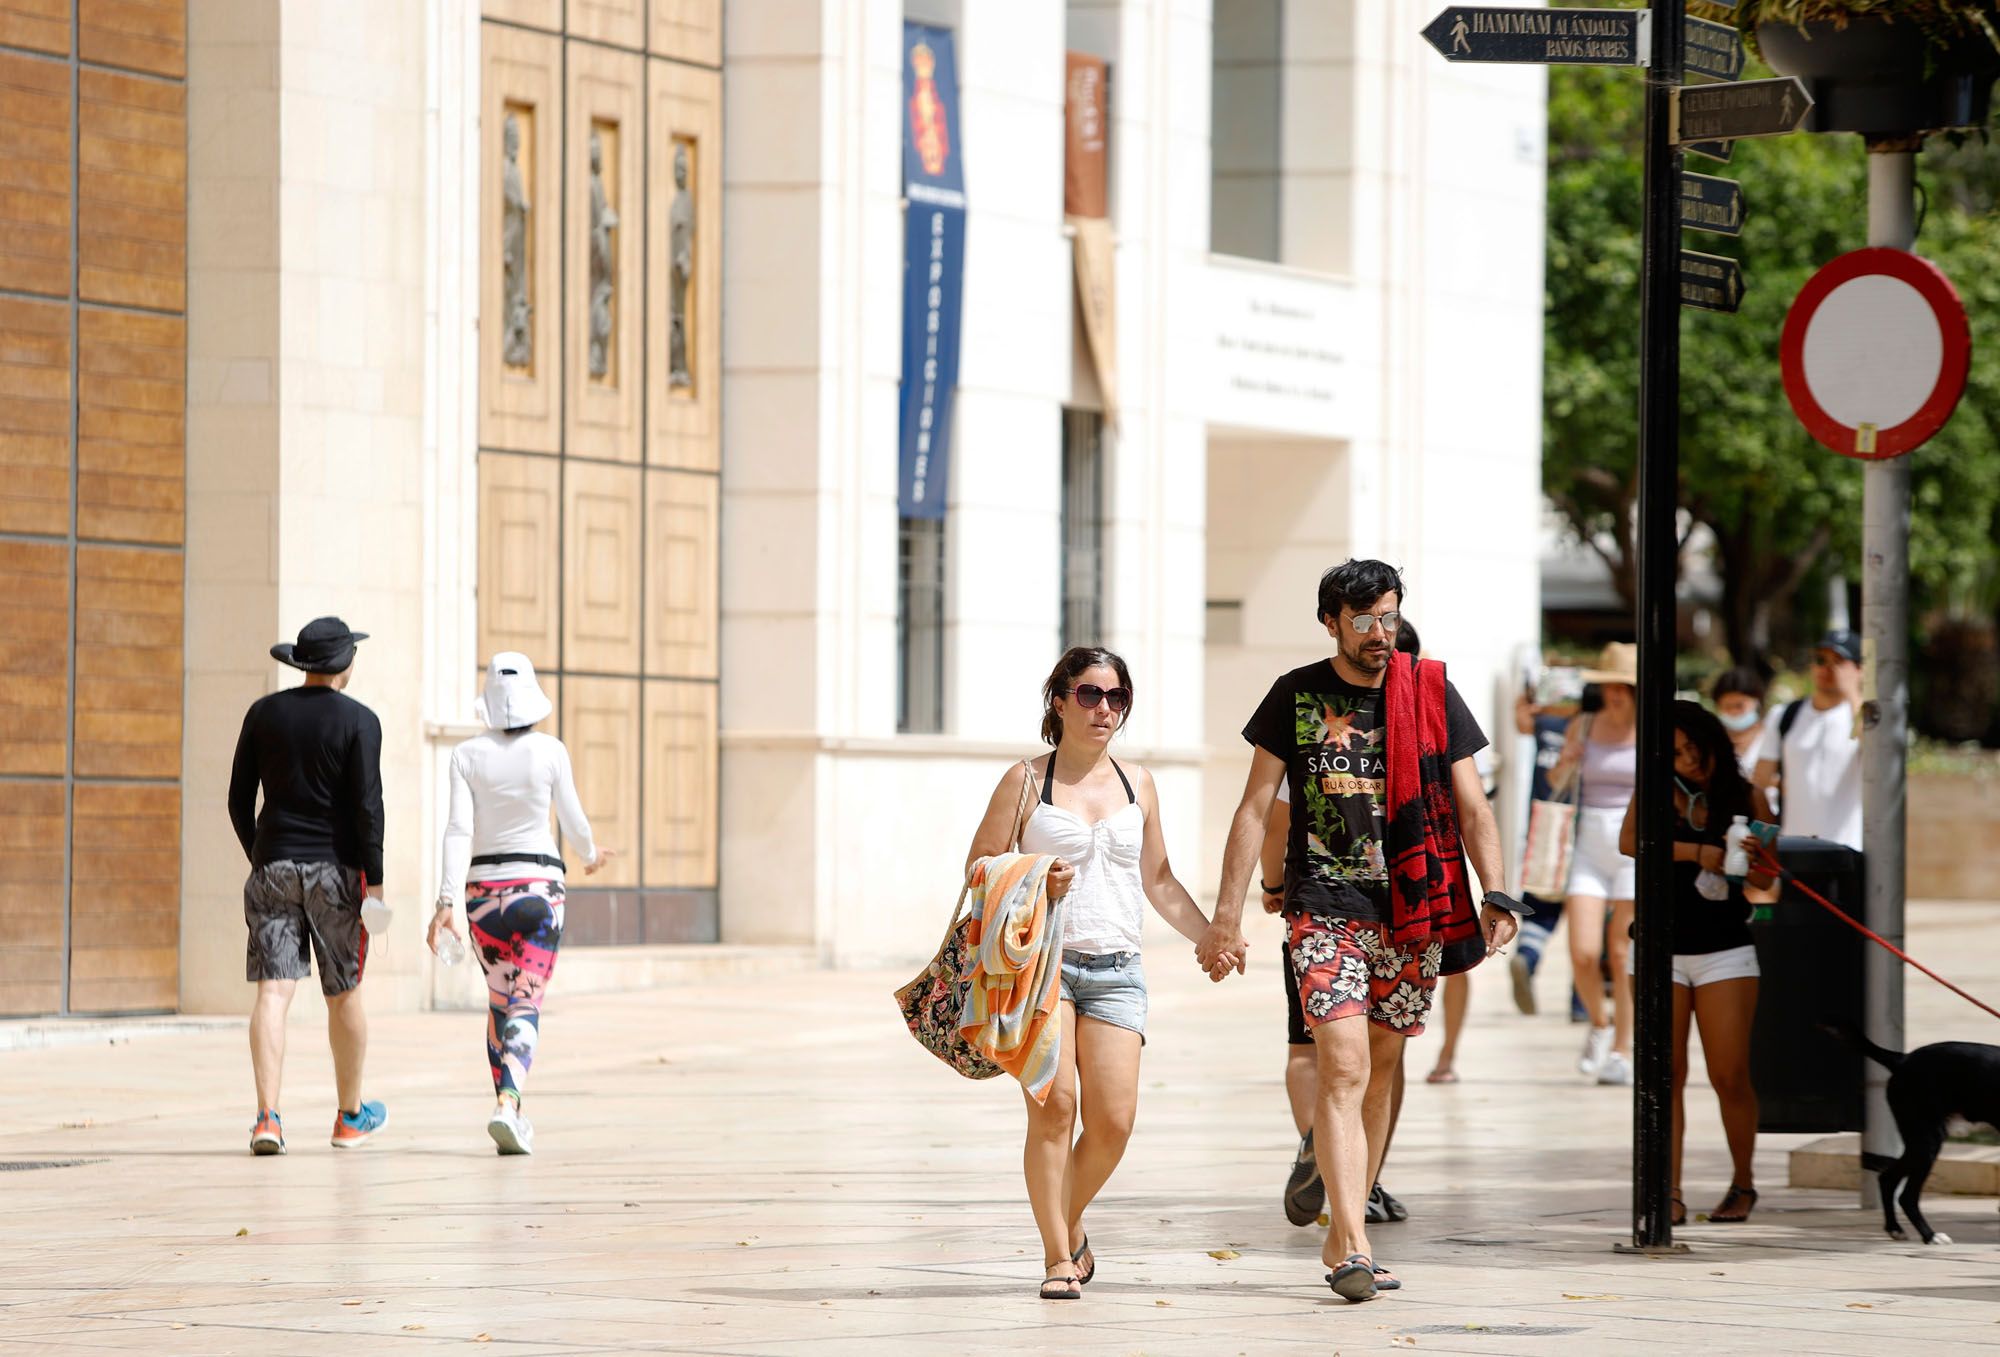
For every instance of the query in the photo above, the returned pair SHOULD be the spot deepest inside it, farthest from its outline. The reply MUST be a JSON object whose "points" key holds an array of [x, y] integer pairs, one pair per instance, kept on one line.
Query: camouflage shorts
{"points": [[293, 906]]}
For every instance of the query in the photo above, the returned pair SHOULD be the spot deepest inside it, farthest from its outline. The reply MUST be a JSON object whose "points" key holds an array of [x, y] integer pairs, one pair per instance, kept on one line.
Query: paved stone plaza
{"points": [[773, 1167]]}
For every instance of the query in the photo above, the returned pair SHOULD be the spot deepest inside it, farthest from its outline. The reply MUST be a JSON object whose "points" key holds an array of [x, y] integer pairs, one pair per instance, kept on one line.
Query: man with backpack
{"points": [[1812, 752]]}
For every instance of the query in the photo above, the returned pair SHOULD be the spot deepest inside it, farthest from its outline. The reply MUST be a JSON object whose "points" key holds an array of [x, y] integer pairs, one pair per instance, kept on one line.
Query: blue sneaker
{"points": [[355, 1128]]}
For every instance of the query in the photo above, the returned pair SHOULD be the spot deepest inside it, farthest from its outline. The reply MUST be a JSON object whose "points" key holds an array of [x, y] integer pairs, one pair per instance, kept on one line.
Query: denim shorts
{"points": [[1110, 988]]}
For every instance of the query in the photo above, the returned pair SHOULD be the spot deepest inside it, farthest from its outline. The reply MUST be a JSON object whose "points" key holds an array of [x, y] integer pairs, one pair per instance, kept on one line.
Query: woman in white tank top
{"points": [[1102, 821]]}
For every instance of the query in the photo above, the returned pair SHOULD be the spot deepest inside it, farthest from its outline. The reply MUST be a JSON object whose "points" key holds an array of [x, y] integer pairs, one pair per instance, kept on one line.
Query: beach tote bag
{"points": [[1552, 838], [932, 1002]]}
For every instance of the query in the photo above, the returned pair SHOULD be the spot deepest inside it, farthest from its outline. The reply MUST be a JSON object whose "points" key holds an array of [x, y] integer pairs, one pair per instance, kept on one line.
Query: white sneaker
{"points": [[1596, 1044], [510, 1130], [1616, 1069]]}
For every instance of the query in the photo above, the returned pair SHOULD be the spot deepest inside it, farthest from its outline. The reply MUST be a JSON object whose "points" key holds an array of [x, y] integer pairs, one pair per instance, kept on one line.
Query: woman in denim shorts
{"points": [[1101, 820]]}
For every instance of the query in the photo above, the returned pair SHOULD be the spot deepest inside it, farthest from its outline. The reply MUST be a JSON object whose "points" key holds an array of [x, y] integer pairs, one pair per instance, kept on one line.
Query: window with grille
{"points": [[920, 626], [1082, 528]]}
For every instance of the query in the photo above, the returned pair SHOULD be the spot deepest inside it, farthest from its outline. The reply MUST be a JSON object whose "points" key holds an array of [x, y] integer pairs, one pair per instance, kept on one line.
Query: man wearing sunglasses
{"points": [[1812, 752], [1376, 750]]}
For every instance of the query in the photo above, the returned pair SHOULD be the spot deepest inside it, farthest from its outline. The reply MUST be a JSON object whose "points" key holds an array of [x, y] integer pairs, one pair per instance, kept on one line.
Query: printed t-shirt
{"points": [[1329, 733]]}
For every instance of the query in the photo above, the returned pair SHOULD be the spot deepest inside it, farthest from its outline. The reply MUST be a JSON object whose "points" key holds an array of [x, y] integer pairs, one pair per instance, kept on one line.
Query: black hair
{"points": [[1728, 789], [520, 730], [1357, 584], [1406, 639], [1073, 662], [1741, 679]]}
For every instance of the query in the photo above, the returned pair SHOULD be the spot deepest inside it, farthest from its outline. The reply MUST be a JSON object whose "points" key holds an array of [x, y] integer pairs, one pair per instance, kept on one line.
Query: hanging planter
{"points": [[1887, 69]]}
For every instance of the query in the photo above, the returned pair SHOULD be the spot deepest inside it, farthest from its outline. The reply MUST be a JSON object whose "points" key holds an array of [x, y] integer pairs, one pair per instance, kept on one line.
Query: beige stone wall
{"points": [[307, 353]]}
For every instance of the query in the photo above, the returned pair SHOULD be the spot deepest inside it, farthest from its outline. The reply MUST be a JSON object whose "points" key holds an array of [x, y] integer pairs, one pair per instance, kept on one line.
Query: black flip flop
{"points": [[1077, 1258], [1072, 1289], [1354, 1280], [1385, 1282]]}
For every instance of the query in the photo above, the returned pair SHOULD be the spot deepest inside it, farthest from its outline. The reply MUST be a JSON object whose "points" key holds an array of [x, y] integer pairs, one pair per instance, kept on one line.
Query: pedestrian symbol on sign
{"points": [[1458, 32]]}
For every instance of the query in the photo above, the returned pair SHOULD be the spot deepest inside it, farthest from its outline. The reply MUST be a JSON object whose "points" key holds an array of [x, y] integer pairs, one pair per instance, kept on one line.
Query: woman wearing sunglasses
{"points": [[1101, 820]]}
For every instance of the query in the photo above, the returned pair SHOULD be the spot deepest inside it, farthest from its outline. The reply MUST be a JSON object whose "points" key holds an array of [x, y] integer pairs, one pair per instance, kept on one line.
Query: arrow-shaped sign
{"points": [[1555, 37], [1713, 50], [1710, 282], [1714, 150], [1747, 108], [1711, 204]]}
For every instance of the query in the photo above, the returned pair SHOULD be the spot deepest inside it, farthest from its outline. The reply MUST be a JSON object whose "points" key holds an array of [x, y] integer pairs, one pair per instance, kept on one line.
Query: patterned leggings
{"points": [[516, 929]]}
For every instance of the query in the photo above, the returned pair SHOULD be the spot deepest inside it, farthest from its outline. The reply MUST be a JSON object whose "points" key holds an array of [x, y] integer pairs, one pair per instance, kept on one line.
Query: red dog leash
{"points": [[1761, 853]]}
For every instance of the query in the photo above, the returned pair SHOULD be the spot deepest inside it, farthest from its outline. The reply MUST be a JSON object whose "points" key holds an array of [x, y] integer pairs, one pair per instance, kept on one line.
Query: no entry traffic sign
{"points": [[1874, 353]]}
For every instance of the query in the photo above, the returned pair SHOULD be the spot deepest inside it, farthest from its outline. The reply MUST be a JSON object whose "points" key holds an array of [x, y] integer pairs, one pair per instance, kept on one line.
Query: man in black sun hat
{"points": [[314, 850]]}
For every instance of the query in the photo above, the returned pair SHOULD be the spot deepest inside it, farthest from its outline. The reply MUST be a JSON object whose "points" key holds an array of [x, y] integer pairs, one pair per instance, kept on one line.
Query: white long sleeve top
{"points": [[501, 789]]}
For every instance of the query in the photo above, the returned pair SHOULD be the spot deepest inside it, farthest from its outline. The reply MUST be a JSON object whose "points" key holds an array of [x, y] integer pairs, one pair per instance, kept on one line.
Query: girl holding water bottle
{"points": [[1715, 964], [500, 855]]}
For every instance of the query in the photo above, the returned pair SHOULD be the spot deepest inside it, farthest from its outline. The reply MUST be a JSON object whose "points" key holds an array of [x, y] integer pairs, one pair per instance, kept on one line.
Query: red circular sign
{"points": [[1874, 353]]}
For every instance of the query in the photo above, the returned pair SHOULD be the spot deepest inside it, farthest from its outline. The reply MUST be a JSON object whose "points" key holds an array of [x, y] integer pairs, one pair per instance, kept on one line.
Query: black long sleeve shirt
{"points": [[318, 755]]}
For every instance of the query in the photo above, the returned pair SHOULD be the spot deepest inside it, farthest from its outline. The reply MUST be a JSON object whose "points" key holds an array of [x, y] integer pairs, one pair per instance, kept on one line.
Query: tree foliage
{"points": [[1785, 512]]}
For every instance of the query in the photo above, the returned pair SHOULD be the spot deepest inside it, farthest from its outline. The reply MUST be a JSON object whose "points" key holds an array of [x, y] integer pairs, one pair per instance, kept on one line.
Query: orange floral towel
{"points": [[1010, 1011]]}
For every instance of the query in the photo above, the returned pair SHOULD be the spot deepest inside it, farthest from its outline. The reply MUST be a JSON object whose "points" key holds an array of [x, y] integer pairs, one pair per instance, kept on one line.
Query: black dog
{"points": [[1927, 1088]]}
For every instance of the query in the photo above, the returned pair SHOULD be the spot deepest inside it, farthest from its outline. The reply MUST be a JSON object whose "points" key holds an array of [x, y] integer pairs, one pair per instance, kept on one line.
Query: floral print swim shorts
{"points": [[1348, 968]]}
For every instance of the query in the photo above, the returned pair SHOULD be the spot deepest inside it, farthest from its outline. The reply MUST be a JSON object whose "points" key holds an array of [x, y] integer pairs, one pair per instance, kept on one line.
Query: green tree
{"points": [[1784, 511]]}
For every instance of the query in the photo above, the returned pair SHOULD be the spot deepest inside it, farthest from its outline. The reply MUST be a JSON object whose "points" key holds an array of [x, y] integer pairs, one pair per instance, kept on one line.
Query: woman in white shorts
{"points": [[1715, 964], [1603, 751]]}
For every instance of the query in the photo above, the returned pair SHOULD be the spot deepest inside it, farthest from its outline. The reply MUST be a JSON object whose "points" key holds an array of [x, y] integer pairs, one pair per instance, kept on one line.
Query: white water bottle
{"points": [[1735, 849], [450, 951]]}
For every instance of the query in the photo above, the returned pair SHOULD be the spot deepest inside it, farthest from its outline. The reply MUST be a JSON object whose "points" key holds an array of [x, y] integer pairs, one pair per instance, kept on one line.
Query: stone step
{"points": [[1835, 1162]]}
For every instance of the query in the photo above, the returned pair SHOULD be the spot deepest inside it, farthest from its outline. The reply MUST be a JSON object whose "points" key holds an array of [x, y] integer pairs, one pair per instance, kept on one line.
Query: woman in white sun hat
{"points": [[499, 853]]}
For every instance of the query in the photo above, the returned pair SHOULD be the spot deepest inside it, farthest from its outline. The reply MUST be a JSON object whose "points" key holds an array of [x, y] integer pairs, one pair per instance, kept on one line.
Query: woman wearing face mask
{"points": [[1738, 695], [1715, 964]]}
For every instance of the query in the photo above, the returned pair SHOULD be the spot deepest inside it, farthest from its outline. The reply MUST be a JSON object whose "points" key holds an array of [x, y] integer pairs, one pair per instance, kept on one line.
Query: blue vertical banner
{"points": [[933, 266]]}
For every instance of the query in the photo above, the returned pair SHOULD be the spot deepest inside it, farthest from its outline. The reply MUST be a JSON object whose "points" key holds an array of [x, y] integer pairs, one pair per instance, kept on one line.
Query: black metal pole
{"points": [[1659, 477]]}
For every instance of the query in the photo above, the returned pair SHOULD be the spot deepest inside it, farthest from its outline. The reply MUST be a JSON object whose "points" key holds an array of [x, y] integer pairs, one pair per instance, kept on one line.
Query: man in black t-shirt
{"points": [[315, 848], [1323, 730]]}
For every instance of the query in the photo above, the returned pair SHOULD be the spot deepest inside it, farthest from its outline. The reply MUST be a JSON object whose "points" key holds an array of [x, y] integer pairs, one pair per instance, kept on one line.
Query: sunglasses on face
{"points": [[1088, 695], [1363, 623]]}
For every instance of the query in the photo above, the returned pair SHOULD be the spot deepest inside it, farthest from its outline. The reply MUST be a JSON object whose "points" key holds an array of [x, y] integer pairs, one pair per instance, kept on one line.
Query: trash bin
{"points": [[1806, 1079]]}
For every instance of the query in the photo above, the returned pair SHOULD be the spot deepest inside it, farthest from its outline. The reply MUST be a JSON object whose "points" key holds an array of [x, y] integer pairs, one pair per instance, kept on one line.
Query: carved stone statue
{"points": [[517, 343], [603, 269], [680, 256]]}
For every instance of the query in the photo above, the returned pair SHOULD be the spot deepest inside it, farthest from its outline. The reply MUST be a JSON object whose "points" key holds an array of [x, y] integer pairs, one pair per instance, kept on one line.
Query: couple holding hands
{"points": [[1375, 749]]}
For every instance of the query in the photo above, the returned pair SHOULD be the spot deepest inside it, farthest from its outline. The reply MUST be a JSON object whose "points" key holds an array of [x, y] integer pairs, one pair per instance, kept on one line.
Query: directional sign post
{"points": [[1710, 282], [1705, 118], [1711, 204], [1747, 108], [1713, 50], [1549, 37]]}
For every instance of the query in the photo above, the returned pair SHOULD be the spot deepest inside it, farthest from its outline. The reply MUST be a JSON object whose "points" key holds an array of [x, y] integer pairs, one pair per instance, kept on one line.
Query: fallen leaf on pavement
{"points": [[1324, 1220], [413, 1328], [1860, 1305], [1163, 1302], [1224, 1254], [482, 1338], [244, 1231], [1602, 1295]]}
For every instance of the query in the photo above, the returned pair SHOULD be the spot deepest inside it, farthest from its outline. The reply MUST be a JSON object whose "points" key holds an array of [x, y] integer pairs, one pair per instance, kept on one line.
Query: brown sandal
{"points": [[1736, 1206], [1679, 1214]]}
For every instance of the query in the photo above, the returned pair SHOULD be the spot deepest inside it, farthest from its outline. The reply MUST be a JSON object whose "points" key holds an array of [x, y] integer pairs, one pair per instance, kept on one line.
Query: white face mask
{"points": [[1741, 721]]}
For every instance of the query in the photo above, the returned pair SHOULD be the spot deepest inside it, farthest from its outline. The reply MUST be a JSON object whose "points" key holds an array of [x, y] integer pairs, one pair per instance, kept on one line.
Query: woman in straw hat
{"points": [[1601, 762], [499, 853]]}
